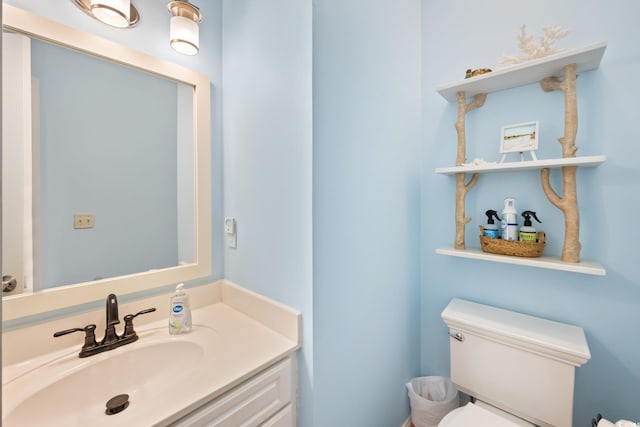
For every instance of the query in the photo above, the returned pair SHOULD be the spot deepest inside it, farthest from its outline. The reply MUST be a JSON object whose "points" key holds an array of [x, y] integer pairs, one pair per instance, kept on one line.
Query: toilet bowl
{"points": [[479, 414]]}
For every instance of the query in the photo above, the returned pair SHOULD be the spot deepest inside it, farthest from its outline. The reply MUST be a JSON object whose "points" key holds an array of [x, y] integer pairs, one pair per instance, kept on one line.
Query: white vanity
{"points": [[236, 368]]}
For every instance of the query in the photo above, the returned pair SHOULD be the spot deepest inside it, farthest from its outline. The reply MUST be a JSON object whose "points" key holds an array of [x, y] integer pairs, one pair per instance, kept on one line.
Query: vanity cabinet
{"points": [[545, 70], [267, 400]]}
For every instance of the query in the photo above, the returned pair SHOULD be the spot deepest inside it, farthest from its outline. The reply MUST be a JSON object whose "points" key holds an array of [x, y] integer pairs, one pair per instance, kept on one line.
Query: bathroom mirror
{"points": [[119, 189]]}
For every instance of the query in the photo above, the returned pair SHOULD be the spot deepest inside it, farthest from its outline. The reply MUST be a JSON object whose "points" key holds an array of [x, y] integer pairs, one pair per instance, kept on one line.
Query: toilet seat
{"points": [[472, 415]]}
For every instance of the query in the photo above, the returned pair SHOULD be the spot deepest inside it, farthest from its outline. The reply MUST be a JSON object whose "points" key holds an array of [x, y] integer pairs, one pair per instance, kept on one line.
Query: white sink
{"points": [[67, 390]]}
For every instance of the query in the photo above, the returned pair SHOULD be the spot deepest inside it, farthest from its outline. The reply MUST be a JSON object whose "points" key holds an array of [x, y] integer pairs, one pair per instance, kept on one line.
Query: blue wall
{"points": [[366, 196], [361, 322], [606, 307], [267, 158], [92, 166]]}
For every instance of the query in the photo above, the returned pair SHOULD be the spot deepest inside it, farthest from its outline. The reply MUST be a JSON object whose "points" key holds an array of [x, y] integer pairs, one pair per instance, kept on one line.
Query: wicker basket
{"points": [[513, 248]]}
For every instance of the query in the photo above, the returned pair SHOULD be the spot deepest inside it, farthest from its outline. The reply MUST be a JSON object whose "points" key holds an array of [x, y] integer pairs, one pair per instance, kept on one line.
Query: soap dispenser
{"points": [[180, 312], [491, 229], [509, 219], [527, 232]]}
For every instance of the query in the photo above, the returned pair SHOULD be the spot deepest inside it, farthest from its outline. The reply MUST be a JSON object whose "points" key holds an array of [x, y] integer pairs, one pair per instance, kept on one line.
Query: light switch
{"points": [[230, 231], [230, 225]]}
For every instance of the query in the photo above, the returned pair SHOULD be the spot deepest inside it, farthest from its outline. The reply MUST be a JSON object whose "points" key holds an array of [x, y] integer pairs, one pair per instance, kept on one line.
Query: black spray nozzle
{"points": [[490, 214], [527, 218]]}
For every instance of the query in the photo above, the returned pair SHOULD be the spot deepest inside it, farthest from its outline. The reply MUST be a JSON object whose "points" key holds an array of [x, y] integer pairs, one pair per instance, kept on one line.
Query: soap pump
{"points": [[509, 219], [491, 229], [527, 232], [180, 312]]}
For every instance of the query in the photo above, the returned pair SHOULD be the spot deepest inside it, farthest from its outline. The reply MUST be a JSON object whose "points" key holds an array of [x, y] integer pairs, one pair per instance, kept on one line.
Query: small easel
{"points": [[532, 152]]}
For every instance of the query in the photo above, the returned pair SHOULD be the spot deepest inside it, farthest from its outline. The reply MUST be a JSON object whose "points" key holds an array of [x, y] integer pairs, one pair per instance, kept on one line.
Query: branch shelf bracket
{"points": [[462, 187], [567, 202]]}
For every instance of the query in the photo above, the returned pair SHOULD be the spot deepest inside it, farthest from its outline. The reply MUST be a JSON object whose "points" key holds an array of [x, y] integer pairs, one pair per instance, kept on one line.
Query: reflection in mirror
{"points": [[103, 182], [104, 143]]}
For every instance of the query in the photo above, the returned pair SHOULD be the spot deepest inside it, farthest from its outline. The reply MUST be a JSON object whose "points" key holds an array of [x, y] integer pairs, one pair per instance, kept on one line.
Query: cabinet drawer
{"points": [[284, 418], [248, 405]]}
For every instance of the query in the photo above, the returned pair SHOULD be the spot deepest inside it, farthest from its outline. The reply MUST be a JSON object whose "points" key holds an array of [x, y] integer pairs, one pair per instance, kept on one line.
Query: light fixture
{"points": [[117, 13], [184, 30]]}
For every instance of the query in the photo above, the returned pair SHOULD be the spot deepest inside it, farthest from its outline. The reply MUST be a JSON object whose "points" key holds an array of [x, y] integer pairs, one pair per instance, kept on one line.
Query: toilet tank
{"points": [[521, 364]]}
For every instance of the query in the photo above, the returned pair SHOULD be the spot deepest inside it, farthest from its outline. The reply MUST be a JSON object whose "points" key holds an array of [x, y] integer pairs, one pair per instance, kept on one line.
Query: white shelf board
{"points": [[586, 58], [585, 267], [586, 161]]}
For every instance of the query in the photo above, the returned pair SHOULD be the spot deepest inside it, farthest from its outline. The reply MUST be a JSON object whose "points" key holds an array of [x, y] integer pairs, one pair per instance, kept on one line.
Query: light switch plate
{"points": [[230, 230], [229, 225]]}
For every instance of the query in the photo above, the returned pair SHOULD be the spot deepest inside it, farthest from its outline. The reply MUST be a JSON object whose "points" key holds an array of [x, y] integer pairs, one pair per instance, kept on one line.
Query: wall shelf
{"points": [[585, 267], [587, 161], [564, 66], [586, 58]]}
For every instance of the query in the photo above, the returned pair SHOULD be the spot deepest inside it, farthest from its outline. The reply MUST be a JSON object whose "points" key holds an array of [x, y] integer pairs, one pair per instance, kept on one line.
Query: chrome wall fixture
{"points": [[117, 13], [184, 31]]}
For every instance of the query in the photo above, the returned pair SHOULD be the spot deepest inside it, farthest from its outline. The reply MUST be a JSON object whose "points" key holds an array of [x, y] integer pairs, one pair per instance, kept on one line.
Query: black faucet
{"points": [[110, 335], [111, 338]]}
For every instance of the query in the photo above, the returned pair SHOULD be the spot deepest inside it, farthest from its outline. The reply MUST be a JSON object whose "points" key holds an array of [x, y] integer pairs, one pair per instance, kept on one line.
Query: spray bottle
{"points": [[509, 219], [491, 229], [527, 232]]}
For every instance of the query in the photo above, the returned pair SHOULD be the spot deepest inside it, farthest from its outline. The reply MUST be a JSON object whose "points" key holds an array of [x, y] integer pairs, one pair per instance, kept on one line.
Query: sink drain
{"points": [[117, 404]]}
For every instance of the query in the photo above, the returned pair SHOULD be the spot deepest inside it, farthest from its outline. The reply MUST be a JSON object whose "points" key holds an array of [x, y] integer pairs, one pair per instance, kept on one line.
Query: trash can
{"points": [[431, 399]]}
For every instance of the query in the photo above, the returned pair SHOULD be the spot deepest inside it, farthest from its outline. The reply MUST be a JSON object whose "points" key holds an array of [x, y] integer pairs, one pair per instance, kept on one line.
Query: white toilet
{"points": [[518, 368]]}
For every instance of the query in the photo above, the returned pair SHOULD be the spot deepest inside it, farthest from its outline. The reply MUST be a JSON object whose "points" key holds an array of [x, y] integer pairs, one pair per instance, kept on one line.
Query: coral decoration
{"points": [[531, 50]]}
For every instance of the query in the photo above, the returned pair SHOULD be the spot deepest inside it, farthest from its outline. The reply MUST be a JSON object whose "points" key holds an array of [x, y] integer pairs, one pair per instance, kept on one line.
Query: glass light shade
{"points": [[112, 12], [184, 35]]}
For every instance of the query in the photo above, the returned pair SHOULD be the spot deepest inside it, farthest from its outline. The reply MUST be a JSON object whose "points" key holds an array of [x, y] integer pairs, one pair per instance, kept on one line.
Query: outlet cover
{"points": [[84, 220]]}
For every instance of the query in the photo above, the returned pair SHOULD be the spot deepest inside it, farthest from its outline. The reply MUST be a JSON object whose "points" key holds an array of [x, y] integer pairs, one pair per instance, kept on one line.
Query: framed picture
{"points": [[519, 138]]}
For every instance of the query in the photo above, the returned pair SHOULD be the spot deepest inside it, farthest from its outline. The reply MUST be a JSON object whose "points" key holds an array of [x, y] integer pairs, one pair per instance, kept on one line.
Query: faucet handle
{"points": [[128, 322], [89, 336]]}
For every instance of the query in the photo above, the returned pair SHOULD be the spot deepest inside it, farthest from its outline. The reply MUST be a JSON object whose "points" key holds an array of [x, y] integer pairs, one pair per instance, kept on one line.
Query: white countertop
{"points": [[251, 333], [247, 347]]}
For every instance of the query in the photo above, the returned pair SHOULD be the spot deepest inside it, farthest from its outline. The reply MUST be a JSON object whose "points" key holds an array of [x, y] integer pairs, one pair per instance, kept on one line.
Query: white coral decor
{"points": [[531, 50]]}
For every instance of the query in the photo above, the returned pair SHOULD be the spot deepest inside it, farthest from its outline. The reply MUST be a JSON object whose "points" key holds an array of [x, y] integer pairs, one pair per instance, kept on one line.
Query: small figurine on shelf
{"points": [[478, 161], [478, 71]]}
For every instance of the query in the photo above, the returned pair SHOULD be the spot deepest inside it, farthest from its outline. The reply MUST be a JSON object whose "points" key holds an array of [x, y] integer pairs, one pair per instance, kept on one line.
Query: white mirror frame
{"points": [[29, 304]]}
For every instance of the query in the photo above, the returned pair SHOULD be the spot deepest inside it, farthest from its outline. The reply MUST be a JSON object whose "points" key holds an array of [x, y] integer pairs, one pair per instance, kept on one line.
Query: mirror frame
{"points": [[28, 304]]}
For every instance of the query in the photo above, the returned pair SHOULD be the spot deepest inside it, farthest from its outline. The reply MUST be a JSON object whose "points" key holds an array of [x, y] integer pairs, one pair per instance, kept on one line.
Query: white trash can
{"points": [[431, 399]]}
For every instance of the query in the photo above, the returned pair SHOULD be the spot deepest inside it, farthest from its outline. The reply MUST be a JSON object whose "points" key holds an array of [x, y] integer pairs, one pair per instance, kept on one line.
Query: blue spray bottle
{"points": [[491, 229]]}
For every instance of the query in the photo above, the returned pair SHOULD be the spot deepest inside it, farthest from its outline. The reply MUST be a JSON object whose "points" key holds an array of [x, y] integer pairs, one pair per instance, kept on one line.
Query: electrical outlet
{"points": [[84, 220]]}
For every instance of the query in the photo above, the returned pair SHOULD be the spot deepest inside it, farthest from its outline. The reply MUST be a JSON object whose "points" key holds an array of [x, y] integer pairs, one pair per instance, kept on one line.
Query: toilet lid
{"points": [[472, 415]]}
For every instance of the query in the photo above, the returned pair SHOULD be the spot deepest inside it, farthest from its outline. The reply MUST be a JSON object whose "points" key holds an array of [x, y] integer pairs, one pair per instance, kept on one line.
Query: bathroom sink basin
{"points": [[72, 391]]}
